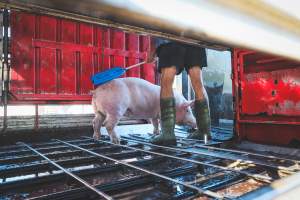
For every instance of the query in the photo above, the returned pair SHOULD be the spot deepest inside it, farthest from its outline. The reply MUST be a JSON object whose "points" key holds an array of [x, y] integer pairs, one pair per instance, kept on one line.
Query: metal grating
{"points": [[84, 168]]}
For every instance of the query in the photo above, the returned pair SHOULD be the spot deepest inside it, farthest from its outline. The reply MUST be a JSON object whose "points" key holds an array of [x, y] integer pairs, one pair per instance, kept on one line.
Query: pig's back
{"points": [[140, 88], [135, 83], [144, 97], [139, 98], [111, 97]]}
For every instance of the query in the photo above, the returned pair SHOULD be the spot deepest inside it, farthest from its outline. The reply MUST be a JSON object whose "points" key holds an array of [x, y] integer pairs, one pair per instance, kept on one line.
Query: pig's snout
{"points": [[192, 123], [190, 120]]}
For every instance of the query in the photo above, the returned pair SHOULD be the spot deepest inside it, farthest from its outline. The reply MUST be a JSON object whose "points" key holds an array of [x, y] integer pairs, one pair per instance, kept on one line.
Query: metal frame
{"points": [[5, 69], [284, 169], [246, 153], [204, 168], [206, 192], [83, 182], [122, 184], [256, 176], [36, 117]]}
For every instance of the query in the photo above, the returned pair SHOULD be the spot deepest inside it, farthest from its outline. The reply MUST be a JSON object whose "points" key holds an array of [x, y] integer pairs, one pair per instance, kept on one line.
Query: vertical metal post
{"points": [[1, 52], [36, 118], [191, 90], [185, 84], [5, 69]]}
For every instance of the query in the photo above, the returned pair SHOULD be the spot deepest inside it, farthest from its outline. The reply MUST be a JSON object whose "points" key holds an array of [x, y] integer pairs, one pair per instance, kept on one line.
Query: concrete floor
{"points": [[147, 129]]}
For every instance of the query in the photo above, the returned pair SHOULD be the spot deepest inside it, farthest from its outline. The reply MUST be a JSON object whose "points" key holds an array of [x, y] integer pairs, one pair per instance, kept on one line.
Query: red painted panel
{"points": [[276, 92], [22, 71], [118, 42], [68, 31], [46, 28], [107, 44], [147, 70], [53, 59], [47, 71], [46, 67], [68, 62], [275, 134], [85, 34], [132, 45], [85, 62], [267, 97], [86, 73]]}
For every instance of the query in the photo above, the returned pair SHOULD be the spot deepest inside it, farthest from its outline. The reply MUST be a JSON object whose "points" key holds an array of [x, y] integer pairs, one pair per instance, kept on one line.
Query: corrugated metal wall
{"points": [[52, 59]]}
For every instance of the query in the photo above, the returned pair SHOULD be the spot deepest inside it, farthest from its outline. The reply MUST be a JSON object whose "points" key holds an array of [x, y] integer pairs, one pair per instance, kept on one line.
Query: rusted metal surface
{"points": [[53, 59], [267, 98]]}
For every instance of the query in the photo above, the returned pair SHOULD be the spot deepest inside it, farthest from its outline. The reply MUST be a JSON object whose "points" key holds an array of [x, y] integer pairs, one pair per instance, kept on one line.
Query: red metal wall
{"points": [[266, 91], [53, 58]]}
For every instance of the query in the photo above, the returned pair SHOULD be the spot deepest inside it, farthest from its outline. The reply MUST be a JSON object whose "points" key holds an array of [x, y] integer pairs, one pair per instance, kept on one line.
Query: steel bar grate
{"points": [[135, 169]]}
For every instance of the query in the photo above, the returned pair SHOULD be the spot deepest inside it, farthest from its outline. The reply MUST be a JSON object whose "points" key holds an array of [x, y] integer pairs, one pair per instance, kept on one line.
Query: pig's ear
{"points": [[189, 103], [192, 103]]}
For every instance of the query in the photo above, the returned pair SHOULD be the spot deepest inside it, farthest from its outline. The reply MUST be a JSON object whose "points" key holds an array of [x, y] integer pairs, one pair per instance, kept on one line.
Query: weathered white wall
{"points": [[27, 110], [218, 70]]}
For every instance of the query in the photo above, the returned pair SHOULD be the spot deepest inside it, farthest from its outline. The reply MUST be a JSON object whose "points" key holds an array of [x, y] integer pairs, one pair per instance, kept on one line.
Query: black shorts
{"points": [[180, 55]]}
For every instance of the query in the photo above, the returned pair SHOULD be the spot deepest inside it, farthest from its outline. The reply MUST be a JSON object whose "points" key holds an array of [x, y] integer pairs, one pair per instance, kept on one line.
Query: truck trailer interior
{"points": [[51, 48]]}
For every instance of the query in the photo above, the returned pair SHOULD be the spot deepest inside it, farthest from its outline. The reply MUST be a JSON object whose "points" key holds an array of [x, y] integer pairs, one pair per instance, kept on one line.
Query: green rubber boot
{"points": [[168, 117], [203, 121]]}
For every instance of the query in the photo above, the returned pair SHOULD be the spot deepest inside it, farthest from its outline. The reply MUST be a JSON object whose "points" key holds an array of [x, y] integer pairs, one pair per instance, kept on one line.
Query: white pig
{"points": [[134, 98]]}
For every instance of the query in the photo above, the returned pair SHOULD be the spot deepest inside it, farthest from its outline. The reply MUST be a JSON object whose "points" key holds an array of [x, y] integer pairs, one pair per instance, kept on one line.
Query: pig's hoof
{"points": [[97, 136], [115, 140], [163, 140], [155, 132]]}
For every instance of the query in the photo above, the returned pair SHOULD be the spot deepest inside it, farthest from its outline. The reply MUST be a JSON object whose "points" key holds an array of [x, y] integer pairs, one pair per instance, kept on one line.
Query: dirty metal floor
{"points": [[83, 168]]}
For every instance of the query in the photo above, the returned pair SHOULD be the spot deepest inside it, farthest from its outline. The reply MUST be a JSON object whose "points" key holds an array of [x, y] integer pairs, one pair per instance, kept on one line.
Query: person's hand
{"points": [[151, 58]]}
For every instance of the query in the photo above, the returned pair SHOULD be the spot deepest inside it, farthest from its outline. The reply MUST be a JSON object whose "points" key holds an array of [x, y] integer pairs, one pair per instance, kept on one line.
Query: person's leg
{"points": [[171, 57], [167, 108], [195, 59], [166, 82], [201, 105], [195, 74]]}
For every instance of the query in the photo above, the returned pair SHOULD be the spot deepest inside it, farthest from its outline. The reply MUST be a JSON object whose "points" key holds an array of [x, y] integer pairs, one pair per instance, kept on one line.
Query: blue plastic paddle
{"points": [[110, 74]]}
